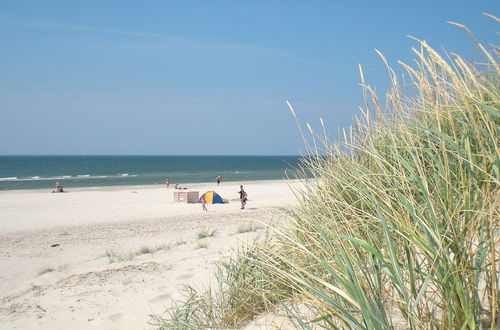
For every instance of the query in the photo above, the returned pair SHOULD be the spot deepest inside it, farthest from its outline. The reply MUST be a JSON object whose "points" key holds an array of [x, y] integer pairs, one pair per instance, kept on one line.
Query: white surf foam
{"points": [[11, 178]]}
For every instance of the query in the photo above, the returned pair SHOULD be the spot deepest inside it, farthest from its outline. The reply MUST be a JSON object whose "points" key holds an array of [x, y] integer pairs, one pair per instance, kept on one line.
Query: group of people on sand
{"points": [[218, 179], [177, 187], [242, 193], [167, 182]]}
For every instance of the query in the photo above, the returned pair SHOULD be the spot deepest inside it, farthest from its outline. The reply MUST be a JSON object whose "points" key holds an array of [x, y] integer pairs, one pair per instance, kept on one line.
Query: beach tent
{"points": [[211, 197]]}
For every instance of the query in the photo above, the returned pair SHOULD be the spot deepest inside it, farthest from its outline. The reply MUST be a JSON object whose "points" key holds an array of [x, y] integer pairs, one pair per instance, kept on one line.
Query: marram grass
{"points": [[398, 224]]}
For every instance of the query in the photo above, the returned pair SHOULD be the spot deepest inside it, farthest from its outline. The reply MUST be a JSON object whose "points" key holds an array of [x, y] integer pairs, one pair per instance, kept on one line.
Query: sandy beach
{"points": [[108, 257]]}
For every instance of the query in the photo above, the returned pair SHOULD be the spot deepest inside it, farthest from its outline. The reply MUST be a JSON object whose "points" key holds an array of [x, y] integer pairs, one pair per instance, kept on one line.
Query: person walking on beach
{"points": [[218, 179], [204, 205], [243, 197], [167, 182]]}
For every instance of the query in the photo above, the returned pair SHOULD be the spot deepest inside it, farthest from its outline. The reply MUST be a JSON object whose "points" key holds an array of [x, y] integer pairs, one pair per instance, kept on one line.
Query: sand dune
{"points": [[107, 258]]}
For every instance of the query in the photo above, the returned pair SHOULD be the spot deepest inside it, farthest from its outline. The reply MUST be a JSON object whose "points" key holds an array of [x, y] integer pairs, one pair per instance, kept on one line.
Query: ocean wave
{"points": [[11, 178], [67, 177]]}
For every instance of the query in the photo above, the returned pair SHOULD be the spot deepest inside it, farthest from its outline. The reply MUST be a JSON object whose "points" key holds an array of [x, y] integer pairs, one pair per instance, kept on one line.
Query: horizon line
{"points": [[146, 155]]}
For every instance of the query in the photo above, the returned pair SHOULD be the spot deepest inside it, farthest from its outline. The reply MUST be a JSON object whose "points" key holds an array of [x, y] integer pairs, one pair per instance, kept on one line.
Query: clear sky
{"points": [[203, 77]]}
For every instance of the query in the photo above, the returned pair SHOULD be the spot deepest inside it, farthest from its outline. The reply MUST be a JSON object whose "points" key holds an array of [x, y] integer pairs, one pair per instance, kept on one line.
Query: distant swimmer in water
{"points": [[218, 179], [59, 188]]}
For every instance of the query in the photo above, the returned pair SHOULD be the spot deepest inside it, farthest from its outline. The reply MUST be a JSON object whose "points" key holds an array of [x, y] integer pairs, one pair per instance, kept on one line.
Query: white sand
{"points": [[74, 285]]}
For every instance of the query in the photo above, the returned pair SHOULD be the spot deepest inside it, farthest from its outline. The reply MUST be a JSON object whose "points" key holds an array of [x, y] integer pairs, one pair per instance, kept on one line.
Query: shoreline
{"points": [[143, 186]]}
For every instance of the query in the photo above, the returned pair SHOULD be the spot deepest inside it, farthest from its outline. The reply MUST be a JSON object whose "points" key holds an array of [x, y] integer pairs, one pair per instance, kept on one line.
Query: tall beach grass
{"points": [[398, 227]]}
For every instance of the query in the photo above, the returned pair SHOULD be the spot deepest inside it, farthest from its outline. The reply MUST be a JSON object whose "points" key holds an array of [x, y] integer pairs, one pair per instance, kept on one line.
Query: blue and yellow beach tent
{"points": [[211, 197]]}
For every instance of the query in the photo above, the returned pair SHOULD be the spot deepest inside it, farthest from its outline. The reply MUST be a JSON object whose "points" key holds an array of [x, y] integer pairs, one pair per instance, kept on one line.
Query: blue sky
{"points": [[203, 77]]}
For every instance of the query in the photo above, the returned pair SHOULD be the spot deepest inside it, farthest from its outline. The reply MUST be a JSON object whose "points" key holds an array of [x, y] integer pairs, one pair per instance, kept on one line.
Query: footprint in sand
{"points": [[115, 317], [160, 298], [184, 277]]}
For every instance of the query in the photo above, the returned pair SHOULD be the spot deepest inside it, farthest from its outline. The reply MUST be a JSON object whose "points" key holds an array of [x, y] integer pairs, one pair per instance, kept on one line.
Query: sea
{"points": [[41, 172]]}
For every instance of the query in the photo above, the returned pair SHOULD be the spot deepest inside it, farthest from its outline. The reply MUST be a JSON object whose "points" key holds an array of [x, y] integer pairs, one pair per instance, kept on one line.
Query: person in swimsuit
{"points": [[218, 179], [59, 188], [167, 182], [243, 197]]}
